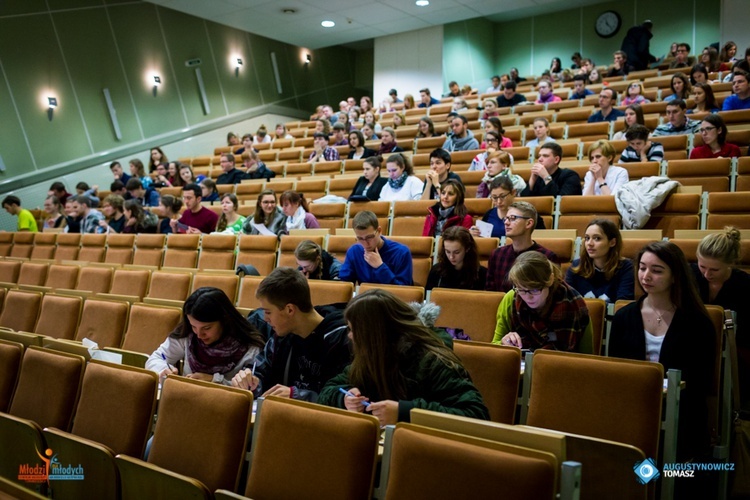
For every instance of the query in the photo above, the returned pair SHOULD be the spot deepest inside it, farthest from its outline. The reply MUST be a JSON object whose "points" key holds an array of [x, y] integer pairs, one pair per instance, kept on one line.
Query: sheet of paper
{"points": [[262, 229], [485, 229]]}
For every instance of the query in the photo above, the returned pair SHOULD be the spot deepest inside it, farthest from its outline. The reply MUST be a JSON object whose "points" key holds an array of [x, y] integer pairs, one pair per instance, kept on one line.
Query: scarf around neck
{"points": [[296, 221], [398, 183], [220, 357]]}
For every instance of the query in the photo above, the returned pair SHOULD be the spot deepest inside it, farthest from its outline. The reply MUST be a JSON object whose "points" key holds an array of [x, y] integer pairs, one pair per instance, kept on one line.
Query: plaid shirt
{"points": [[329, 154], [502, 260]]}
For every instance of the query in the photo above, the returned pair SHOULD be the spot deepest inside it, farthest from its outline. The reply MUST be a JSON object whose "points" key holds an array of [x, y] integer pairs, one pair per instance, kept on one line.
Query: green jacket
{"points": [[432, 386]]}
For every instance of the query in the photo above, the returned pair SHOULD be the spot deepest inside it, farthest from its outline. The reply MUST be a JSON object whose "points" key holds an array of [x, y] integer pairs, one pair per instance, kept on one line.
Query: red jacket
{"points": [[431, 221]]}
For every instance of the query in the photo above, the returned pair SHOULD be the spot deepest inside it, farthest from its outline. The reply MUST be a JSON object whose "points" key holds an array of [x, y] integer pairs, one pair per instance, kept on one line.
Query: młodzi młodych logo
{"points": [[51, 469], [646, 471]]}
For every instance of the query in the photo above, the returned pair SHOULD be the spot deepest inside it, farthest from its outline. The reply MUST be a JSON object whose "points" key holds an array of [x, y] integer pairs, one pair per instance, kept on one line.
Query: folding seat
{"points": [[170, 285], [20, 310], [589, 131], [495, 370], [149, 249], [281, 422], [575, 116], [248, 287], [9, 272], [353, 166], [114, 415], [62, 276], [11, 354], [421, 248], [677, 211], [325, 292], [639, 170], [228, 283], [429, 144], [23, 244], [149, 326], [103, 321], [48, 388], [131, 282], [260, 251], [120, 248], [328, 168], [248, 190], [330, 215], [406, 293], [299, 170], [577, 211], [217, 251], [728, 209], [675, 146], [599, 391], [171, 452], [475, 312], [182, 250], [44, 246], [409, 217], [68, 246], [33, 273], [711, 174], [6, 243], [416, 456], [92, 247], [337, 245], [95, 279], [59, 316]]}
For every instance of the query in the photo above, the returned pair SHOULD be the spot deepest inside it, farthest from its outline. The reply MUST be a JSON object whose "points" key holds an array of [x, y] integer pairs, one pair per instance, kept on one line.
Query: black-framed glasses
{"points": [[528, 293], [706, 129], [499, 197], [514, 218]]}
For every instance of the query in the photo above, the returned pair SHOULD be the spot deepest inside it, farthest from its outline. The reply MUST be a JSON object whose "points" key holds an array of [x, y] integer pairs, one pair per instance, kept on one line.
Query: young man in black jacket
{"points": [[308, 346]]}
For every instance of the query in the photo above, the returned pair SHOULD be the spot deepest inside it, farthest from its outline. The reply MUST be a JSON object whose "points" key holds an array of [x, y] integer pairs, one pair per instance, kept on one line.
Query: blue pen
{"points": [[347, 393], [167, 362]]}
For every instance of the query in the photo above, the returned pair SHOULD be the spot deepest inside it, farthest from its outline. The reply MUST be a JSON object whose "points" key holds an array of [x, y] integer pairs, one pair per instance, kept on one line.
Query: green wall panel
{"points": [[73, 4], [241, 92], [35, 70], [512, 46], [186, 38], [22, 7], [468, 51], [139, 39], [559, 34], [95, 72], [13, 147]]}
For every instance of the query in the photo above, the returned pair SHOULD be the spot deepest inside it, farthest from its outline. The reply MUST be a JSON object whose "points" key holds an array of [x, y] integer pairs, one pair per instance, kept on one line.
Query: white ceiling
{"points": [[355, 20]]}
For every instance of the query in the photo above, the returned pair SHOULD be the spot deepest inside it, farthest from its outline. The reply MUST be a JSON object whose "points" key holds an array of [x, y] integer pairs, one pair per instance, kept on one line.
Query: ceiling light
{"points": [[52, 102], [157, 80], [328, 24], [422, 3]]}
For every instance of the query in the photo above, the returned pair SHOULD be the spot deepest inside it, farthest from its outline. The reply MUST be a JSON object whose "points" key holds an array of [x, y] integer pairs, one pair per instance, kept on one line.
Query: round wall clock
{"points": [[608, 24]]}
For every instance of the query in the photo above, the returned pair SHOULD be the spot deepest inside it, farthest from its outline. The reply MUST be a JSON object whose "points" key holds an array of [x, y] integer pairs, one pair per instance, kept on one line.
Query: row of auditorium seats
{"points": [[570, 123], [589, 441]]}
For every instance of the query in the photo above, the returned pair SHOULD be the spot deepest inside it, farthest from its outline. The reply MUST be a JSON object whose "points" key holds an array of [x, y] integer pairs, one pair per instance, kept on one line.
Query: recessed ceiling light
{"points": [[328, 24], [422, 3]]}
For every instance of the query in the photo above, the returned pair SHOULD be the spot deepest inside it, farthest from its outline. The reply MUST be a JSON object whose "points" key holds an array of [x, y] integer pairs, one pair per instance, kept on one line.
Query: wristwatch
{"points": [[602, 184], [548, 178]]}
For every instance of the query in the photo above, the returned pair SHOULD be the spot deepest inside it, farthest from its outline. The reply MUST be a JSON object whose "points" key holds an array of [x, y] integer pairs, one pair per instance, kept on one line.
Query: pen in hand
{"points": [[167, 362], [347, 393]]}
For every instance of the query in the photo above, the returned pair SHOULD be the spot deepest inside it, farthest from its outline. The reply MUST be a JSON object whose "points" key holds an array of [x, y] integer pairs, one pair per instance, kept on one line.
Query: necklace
{"points": [[659, 317]]}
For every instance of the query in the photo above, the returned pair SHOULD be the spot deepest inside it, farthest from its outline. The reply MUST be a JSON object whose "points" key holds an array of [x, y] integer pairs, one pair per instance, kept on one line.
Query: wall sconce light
{"points": [[237, 66], [157, 82], [308, 59], [52, 103]]}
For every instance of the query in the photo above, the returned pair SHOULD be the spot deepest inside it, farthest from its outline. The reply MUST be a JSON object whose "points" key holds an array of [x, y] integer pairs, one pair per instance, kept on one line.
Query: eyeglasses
{"points": [[268, 203], [491, 140], [500, 197], [706, 129], [514, 218], [529, 293], [369, 237], [681, 50]]}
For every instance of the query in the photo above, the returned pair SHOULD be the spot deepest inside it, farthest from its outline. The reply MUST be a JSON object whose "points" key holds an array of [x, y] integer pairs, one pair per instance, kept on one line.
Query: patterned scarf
{"points": [[220, 357], [386, 148], [559, 324], [398, 183]]}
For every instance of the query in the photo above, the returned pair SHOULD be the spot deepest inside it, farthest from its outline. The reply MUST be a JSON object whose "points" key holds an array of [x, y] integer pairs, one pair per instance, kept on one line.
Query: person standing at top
{"points": [[636, 45]]}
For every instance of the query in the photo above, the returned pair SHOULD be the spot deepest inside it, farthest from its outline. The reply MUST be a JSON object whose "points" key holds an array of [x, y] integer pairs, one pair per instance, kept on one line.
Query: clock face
{"points": [[608, 24]]}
